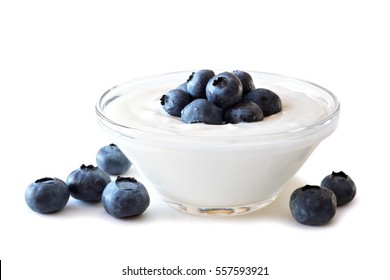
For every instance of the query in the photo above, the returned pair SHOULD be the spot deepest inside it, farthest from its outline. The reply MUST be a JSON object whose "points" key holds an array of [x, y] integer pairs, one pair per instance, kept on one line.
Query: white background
{"points": [[57, 58]]}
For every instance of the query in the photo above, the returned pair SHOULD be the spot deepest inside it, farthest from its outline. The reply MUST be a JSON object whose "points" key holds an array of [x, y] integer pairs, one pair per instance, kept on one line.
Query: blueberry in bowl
{"points": [[244, 112], [201, 111], [268, 101], [197, 82], [175, 100], [224, 90], [246, 81]]}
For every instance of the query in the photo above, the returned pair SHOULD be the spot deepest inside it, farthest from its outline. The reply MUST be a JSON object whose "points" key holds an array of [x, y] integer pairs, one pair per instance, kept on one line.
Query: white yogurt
{"points": [[232, 166], [142, 110]]}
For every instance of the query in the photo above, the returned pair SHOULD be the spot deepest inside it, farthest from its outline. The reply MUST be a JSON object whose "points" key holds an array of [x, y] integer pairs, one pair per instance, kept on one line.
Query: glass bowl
{"points": [[217, 169]]}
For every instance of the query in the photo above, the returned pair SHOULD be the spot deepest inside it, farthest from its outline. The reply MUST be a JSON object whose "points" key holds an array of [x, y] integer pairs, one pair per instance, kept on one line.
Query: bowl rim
{"points": [[300, 132]]}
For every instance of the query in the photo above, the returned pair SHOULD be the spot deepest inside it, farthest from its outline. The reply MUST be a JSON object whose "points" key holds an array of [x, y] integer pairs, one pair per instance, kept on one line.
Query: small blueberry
{"points": [[201, 111], [111, 160], [342, 185], [312, 205], [87, 183], [47, 195], [224, 90], [125, 197]]}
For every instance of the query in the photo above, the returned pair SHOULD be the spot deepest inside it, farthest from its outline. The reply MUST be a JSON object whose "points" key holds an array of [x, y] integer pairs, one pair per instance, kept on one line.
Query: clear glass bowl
{"points": [[217, 169]]}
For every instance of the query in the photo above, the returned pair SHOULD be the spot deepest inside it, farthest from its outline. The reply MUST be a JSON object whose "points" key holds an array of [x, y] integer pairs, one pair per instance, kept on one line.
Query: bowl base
{"points": [[220, 211]]}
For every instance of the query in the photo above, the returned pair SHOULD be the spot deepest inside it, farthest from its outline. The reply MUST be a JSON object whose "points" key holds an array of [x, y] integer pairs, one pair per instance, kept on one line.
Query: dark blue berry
{"points": [[87, 183], [244, 112], [313, 205], [125, 197], [196, 83], [246, 81], [342, 185], [111, 160], [201, 111], [183, 87], [224, 90], [47, 195], [174, 101], [268, 101]]}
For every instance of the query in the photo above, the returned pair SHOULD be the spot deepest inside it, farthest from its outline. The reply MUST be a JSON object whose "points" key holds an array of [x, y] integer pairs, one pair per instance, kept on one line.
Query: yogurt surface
{"points": [[142, 110]]}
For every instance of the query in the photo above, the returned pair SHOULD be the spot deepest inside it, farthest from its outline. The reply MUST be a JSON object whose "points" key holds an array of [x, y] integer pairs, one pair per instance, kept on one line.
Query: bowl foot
{"points": [[220, 211]]}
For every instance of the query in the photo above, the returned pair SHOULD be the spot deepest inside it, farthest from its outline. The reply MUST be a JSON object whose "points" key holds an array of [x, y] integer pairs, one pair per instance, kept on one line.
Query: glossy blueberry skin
{"points": [[268, 101], [47, 195], [196, 83], [87, 183], [201, 111], [125, 197], [246, 81], [111, 160], [244, 112], [312, 205], [174, 101], [342, 185], [224, 90]]}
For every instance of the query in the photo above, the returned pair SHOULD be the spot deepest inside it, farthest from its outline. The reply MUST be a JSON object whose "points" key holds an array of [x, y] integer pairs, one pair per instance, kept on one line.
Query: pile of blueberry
{"points": [[316, 205], [121, 198], [229, 97], [126, 197]]}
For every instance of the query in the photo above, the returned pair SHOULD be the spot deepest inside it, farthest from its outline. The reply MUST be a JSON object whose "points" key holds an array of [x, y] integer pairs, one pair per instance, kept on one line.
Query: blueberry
{"points": [[244, 112], [47, 195], [246, 81], [111, 160], [201, 111], [313, 205], [342, 185], [87, 183], [174, 101], [183, 87], [125, 197], [224, 90], [268, 101], [196, 83]]}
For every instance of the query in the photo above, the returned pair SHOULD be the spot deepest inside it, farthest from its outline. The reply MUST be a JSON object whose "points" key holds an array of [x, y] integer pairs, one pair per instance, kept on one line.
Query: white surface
{"points": [[57, 58]]}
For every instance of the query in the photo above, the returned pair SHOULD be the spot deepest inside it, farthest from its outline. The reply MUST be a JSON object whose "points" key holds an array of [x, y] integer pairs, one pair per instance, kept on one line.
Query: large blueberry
{"points": [[224, 90], [47, 195], [125, 197], [246, 81], [174, 101], [87, 183], [268, 100], [202, 111], [111, 160], [313, 205], [244, 112], [196, 83], [342, 185]]}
